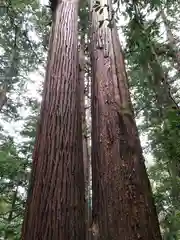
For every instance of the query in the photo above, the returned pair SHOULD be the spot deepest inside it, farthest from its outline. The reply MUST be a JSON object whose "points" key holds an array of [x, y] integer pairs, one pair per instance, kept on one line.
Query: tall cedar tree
{"points": [[55, 205], [123, 206]]}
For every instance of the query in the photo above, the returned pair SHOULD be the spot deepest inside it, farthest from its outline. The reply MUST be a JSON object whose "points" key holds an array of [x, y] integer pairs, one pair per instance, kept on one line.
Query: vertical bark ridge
{"points": [[123, 207], [55, 205]]}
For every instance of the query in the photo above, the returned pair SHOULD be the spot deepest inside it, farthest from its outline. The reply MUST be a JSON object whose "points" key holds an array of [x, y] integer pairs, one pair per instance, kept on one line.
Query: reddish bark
{"points": [[123, 206], [55, 205]]}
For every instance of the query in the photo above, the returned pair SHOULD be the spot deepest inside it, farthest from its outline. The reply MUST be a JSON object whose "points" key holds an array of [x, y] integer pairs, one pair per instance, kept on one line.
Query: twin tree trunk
{"points": [[123, 206], [55, 206]]}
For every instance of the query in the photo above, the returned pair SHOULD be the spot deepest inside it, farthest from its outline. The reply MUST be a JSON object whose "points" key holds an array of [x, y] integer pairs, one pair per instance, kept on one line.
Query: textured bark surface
{"points": [[123, 207], [55, 205]]}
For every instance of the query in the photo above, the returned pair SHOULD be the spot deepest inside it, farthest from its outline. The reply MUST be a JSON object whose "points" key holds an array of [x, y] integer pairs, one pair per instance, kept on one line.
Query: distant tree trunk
{"points": [[171, 39], [6, 82], [160, 83], [3, 98], [55, 204], [123, 206]]}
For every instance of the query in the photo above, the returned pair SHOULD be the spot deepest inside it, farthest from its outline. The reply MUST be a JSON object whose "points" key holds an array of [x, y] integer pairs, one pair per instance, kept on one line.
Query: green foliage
{"points": [[20, 55], [150, 62], [156, 100], [84, 19]]}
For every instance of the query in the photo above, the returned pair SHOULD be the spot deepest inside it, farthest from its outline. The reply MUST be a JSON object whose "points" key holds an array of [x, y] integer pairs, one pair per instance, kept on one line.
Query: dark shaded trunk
{"points": [[123, 206], [55, 205]]}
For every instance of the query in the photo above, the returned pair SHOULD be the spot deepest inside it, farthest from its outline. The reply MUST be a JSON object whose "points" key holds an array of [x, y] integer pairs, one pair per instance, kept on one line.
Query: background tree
{"points": [[152, 61], [18, 58]]}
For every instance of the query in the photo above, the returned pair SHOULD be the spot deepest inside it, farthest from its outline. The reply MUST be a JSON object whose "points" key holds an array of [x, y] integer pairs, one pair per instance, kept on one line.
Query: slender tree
{"points": [[55, 203], [123, 206]]}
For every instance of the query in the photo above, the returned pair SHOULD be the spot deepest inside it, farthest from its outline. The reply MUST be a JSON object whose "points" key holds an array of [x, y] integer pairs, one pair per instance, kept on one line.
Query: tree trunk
{"points": [[123, 206], [3, 98], [6, 82], [55, 204], [160, 84]]}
